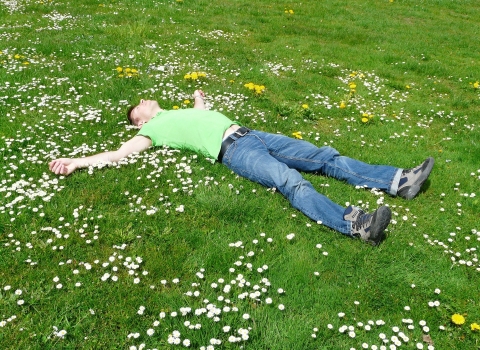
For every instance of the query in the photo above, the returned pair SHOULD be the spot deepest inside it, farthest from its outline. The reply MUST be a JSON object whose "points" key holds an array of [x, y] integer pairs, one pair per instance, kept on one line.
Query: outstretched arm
{"points": [[66, 166], [199, 99]]}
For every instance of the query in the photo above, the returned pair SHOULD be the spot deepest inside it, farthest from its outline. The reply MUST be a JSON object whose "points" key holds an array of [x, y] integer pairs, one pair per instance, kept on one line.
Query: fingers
{"points": [[57, 167]]}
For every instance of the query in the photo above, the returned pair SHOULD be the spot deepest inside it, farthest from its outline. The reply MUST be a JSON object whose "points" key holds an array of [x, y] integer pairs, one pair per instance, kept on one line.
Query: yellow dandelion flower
{"points": [[353, 74], [342, 105], [407, 86], [290, 12], [259, 89], [231, 81], [187, 76], [194, 76], [120, 75], [186, 102], [175, 107], [250, 86], [128, 70], [26, 63], [119, 69], [364, 120], [476, 85], [305, 106], [134, 70], [458, 319], [475, 327], [202, 74], [17, 56], [352, 85], [297, 135], [370, 116]]}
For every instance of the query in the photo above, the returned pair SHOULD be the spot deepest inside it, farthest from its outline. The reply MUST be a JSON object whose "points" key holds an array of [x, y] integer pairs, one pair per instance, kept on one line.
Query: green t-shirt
{"points": [[195, 129]]}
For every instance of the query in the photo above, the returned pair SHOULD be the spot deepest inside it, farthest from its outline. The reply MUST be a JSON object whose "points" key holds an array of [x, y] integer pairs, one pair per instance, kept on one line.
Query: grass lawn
{"points": [[167, 250]]}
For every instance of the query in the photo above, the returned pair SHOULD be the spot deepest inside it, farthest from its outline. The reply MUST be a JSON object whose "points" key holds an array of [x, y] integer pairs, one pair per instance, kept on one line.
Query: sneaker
{"points": [[370, 227], [412, 179], [352, 213]]}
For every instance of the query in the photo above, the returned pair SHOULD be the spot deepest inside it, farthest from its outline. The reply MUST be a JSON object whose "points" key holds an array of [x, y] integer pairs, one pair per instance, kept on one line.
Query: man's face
{"points": [[144, 111]]}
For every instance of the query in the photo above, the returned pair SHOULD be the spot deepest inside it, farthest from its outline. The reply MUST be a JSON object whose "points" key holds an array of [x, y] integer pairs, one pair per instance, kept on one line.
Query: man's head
{"points": [[143, 112]]}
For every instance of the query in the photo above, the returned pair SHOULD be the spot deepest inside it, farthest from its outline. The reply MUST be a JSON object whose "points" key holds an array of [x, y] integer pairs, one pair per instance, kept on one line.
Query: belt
{"points": [[231, 139]]}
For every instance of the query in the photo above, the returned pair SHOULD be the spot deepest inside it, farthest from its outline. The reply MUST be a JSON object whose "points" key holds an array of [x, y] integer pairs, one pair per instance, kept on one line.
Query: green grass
{"points": [[415, 65]]}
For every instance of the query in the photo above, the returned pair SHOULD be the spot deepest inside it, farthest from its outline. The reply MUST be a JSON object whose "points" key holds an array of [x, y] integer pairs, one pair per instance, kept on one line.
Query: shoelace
{"points": [[361, 222], [411, 170]]}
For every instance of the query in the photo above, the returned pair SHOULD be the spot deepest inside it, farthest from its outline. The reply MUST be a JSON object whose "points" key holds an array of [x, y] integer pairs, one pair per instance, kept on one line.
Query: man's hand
{"points": [[198, 93], [62, 166], [199, 99]]}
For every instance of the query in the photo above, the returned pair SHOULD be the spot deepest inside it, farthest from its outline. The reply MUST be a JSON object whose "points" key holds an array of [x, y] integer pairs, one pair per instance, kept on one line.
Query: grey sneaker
{"points": [[352, 213], [412, 179], [370, 227]]}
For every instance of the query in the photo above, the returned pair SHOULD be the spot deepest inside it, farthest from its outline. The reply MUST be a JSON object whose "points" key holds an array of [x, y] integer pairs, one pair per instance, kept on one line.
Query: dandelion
{"points": [[475, 327], [476, 85], [305, 106], [297, 135], [342, 105], [258, 89], [458, 319]]}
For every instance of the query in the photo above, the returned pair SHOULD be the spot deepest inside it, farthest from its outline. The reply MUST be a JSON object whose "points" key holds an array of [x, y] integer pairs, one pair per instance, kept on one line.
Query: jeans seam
{"points": [[388, 183]]}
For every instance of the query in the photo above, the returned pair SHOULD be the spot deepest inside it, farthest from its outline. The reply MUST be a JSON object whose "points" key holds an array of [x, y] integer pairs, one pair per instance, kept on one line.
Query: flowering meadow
{"points": [[169, 250]]}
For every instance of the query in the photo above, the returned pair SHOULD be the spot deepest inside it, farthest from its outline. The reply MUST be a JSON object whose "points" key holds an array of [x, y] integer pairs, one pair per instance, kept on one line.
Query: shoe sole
{"points": [[415, 188], [381, 219]]}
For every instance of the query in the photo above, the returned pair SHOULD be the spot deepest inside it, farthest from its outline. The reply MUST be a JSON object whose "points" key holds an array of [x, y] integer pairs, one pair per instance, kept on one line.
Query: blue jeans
{"points": [[275, 161]]}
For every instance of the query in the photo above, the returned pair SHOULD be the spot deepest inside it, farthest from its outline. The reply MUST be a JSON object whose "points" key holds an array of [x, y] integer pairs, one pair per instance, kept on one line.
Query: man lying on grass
{"points": [[269, 159]]}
